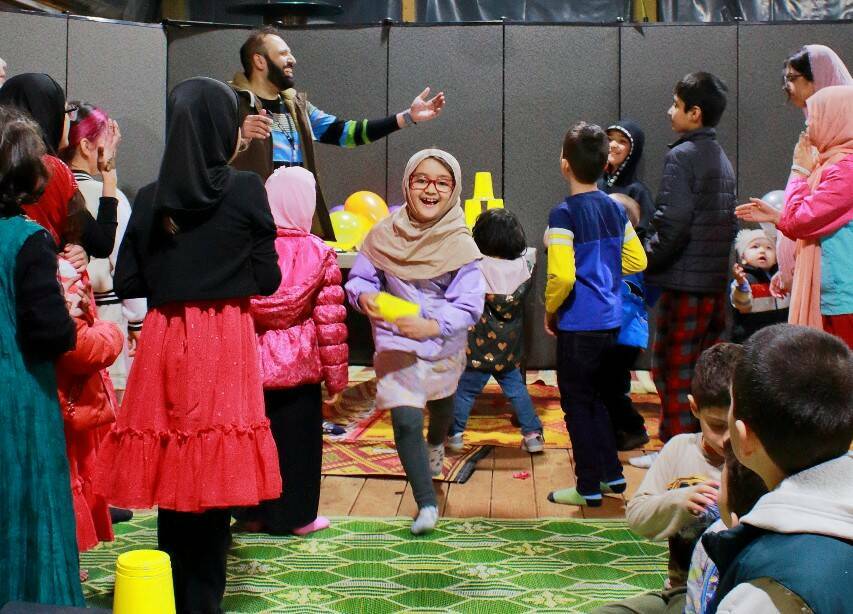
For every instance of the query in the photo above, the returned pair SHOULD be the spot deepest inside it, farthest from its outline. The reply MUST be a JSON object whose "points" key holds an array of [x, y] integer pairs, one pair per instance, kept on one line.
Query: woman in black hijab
{"points": [[61, 209], [192, 437]]}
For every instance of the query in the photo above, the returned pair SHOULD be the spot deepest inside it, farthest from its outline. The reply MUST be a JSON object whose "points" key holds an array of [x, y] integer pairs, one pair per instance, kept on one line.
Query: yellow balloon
{"points": [[350, 228], [368, 204]]}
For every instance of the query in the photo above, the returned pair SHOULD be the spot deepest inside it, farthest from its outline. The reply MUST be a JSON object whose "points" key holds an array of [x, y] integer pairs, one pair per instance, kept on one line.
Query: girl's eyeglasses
{"points": [[71, 110], [442, 185], [791, 77]]}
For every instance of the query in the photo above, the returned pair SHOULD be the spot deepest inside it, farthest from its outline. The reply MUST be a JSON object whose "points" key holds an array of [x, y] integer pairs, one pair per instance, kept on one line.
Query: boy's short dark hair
{"points": [[706, 91], [794, 389], [585, 147], [712, 376], [498, 233], [255, 43], [744, 487]]}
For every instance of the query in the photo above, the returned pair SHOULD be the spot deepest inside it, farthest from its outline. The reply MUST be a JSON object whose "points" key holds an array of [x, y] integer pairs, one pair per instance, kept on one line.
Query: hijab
{"points": [[410, 249], [827, 68], [42, 98], [830, 131], [292, 194], [201, 137]]}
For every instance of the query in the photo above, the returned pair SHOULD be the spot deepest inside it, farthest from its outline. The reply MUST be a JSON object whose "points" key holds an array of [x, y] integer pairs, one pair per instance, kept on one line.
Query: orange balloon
{"points": [[368, 204]]}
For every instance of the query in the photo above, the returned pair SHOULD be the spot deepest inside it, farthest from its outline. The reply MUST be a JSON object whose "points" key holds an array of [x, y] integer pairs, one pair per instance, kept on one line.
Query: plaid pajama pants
{"points": [[687, 324]]}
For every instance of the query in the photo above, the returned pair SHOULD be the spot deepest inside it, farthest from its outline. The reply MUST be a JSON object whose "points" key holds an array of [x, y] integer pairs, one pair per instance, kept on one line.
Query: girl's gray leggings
{"points": [[408, 423]]}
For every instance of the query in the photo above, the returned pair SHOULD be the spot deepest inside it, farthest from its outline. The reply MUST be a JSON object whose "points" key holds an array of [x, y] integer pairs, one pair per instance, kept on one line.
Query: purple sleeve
{"points": [[464, 300], [363, 277]]}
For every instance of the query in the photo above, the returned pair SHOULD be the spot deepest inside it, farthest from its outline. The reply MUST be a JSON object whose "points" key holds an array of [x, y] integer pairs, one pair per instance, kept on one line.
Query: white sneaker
{"points": [[426, 520], [455, 443], [533, 443], [436, 459], [645, 461]]}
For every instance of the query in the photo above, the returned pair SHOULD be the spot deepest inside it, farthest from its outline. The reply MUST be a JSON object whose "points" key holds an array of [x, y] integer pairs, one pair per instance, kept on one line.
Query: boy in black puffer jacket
{"points": [[689, 244]]}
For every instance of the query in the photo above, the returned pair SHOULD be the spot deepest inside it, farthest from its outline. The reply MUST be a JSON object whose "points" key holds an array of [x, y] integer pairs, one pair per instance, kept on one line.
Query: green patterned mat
{"points": [[376, 566]]}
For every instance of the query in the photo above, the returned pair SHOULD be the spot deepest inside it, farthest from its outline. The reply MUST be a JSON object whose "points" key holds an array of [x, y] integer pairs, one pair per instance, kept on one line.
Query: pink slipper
{"points": [[320, 523]]}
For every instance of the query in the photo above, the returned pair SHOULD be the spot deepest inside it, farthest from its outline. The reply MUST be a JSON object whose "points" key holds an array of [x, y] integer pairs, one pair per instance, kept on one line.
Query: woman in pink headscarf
{"points": [[302, 338], [818, 214], [809, 70]]}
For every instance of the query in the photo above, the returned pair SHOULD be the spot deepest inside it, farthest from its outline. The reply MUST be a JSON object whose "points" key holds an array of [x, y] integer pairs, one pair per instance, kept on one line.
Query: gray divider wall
{"points": [[34, 43], [654, 58], [466, 62], [768, 126], [548, 72], [122, 68]]}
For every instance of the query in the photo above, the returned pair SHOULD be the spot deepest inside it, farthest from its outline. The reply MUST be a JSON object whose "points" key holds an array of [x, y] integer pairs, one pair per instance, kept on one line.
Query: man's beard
{"points": [[277, 77]]}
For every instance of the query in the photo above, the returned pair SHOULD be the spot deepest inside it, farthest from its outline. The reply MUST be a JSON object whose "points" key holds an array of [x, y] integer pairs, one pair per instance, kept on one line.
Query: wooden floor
{"points": [[490, 492]]}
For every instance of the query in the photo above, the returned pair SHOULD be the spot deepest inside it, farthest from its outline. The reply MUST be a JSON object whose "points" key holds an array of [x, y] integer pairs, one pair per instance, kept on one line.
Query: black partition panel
{"points": [[654, 58], [768, 125], [343, 70], [466, 62], [554, 76], [34, 43], [130, 87]]}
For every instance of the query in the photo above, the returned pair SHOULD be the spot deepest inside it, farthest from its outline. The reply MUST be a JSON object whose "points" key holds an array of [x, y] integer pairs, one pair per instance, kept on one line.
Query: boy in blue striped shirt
{"points": [[591, 244]]}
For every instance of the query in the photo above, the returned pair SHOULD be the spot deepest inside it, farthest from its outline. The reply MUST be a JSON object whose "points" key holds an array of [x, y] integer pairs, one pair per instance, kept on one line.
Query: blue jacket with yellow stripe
{"points": [[591, 244]]}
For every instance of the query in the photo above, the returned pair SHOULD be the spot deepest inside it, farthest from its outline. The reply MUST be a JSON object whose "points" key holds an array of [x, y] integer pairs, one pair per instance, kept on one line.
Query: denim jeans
{"points": [[471, 385], [579, 376]]}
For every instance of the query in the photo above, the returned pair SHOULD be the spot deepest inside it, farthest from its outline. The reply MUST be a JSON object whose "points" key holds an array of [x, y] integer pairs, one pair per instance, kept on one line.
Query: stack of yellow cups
{"points": [[144, 583]]}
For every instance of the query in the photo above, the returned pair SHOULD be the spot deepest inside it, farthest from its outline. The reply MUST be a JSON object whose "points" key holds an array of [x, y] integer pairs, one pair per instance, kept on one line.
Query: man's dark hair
{"points": [[706, 91], [712, 376], [585, 147], [498, 233], [255, 44], [744, 487], [794, 389], [23, 175]]}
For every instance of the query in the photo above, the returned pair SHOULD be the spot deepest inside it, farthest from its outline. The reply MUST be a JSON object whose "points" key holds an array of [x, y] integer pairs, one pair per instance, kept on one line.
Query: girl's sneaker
{"points": [[533, 443], [436, 459], [454, 443]]}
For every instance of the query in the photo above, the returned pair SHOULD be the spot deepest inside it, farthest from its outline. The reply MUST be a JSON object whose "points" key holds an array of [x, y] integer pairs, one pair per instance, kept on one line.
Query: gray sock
{"points": [[426, 520]]}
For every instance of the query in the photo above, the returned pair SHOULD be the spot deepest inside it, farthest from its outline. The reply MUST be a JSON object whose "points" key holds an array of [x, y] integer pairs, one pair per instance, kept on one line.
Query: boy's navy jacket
{"points": [[624, 179], [691, 234]]}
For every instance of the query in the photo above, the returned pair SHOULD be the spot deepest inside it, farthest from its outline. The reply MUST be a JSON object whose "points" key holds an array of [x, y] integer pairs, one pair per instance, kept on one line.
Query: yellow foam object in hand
{"points": [[392, 307]]}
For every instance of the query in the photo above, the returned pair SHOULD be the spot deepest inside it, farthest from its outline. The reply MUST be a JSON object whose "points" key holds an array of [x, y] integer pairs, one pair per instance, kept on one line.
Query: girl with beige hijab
{"points": [[423, 253]]}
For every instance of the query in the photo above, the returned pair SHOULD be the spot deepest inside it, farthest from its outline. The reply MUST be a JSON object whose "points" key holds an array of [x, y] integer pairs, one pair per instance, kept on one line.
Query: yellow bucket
{"points": [[392, 307], [144, 583]]}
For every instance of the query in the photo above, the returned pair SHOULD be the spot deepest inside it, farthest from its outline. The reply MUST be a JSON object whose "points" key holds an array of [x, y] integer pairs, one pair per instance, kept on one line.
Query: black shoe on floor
{"points": [[630, 441], [119, 514]]}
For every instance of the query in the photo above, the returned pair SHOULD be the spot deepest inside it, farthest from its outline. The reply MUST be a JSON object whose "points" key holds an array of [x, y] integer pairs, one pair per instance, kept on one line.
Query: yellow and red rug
{"points": [[379, 458]]}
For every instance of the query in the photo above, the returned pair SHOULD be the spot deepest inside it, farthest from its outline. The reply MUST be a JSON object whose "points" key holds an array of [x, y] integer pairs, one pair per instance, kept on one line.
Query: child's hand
{"points": [[132, 341], [777, 286], [699, 497], [756, 210], [418, 328], [740, 275], [367, 302], [75, 255], [78, 306], [551, 324]]}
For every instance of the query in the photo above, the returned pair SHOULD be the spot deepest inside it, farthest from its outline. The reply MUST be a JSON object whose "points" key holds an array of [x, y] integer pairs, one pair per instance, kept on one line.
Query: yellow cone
{"points": [[144, 583]]}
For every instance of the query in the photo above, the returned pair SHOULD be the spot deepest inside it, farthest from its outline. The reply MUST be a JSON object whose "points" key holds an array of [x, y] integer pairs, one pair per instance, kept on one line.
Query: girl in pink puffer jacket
{"points": [[302, 342]]}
